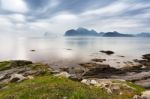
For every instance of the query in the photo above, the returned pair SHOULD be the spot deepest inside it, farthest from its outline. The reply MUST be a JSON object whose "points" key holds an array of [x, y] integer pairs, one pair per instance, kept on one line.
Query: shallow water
{"points": [[68, 51]]}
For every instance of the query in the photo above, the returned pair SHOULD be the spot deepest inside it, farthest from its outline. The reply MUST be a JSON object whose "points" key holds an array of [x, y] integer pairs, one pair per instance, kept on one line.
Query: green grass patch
{"points": [[5, 65], [137, 88], [48, 87]]}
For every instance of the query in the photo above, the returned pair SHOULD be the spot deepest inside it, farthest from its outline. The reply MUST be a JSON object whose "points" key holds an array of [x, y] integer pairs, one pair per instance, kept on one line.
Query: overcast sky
{"points": [[34, 17]]}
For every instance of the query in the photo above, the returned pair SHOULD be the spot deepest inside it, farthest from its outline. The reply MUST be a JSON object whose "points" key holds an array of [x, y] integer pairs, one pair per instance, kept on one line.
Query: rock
{"points": [[30, 77], [85, 81], [121, 56], [55, 71], [146, 56], [107, 52], [137, 68], [63, 74], [102, 71], [65, 69], [88, 65], [68, 49], [108, 91], [93, 82], [98, 60], [75, 78], [32, 50], [17, 63], [17, 78], [137, 97], [146, 94], [110, 85]]}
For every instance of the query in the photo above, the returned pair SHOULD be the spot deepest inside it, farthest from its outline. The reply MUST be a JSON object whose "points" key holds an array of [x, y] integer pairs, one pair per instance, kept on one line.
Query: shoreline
{"points": [[93, 73]]}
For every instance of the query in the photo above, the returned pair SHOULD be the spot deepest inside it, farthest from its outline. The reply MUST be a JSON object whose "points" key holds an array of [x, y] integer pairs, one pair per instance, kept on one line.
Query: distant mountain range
{"points": [[86, 32]]}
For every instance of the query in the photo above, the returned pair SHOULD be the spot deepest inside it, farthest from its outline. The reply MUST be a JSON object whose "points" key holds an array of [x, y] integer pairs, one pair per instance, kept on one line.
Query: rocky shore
{"points": [[94, 73]]}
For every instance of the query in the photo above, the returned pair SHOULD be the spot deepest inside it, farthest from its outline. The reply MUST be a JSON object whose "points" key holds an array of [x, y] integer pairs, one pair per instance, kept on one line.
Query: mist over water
{"points": [[70, 50]]}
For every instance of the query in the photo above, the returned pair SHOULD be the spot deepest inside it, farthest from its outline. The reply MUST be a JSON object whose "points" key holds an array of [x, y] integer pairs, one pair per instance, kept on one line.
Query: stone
{"points": [[17, 78], [146, 56], [102, 71], [63, 74], [64, 69], [94, 82], [75, 78], [98, 60], [32, 50], [137, 97], [85, 81], [30, 77], [146, 94], [107, 52]]}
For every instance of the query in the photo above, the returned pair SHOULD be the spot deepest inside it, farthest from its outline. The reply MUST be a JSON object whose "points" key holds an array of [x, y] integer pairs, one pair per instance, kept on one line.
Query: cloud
{"points": [[34, 17], [14, 6]]}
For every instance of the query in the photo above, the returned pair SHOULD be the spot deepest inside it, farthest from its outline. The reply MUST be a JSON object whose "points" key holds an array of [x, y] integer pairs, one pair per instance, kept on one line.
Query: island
{"points": [[86, 32]]}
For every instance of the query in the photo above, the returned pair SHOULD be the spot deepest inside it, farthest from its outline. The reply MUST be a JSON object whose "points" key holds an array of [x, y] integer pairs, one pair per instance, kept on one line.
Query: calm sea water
{"points": [[70, 50]]}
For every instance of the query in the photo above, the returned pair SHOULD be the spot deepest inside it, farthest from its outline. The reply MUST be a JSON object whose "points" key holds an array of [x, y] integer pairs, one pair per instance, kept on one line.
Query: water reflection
{"points": [[54, 50]]}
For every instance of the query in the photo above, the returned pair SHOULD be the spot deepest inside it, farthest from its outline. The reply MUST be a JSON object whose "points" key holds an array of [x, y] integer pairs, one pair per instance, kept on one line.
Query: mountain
{"points": [[116, 34], [143, 35], [81, 32], [86, 32]]}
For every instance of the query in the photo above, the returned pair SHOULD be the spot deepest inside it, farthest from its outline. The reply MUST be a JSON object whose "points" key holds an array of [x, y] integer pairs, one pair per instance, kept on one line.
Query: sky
{"points": [[35, 17]]}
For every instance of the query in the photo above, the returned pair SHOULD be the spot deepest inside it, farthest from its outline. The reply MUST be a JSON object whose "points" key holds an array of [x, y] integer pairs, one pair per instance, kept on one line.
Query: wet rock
{"points": [[137, 68], [17, 78], [146, 56], [63, 74], [107, 52], [143, 62], [98, 60], [102, 71]]}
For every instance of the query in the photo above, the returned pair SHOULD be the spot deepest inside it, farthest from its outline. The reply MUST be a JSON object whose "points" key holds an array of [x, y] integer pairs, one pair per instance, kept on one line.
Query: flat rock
{"points": [[17, 78], [63, 74]]}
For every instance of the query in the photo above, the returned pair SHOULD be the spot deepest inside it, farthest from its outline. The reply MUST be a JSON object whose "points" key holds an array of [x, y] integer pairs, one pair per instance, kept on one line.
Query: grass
{"points": [[136, 87], [46, 86], [49, 87], [5, 65]]}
